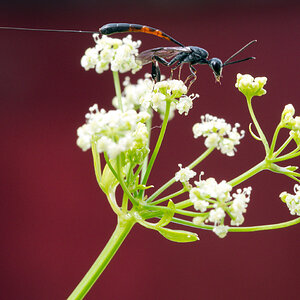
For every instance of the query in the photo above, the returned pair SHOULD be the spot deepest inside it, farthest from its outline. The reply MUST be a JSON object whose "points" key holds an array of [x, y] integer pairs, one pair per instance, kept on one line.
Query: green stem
{"points": [[189, 213], [201, 157], [259, 130], [97, 168], [274, 139], [97, 162], [240, 229], [145, 162], [265, 227], [184, 204], [172, 180], [124, 203], [123, 228], [290, 155], [121, 181], [283, 146], [158, 144], [118, 89], [259, 167], [173, 195]]}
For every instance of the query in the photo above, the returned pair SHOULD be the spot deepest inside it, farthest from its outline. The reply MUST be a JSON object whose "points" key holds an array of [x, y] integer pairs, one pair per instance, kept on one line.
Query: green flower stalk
{"points": [[120, 137]]}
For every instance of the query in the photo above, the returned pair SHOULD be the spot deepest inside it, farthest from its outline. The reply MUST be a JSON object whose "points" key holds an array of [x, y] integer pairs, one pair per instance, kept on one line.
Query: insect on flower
{"points": [[178, 55], [192, 54]]}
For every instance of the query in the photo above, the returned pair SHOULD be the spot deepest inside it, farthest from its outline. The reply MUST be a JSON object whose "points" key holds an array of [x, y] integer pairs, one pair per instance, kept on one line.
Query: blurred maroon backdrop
{"points": [[55, 220]]}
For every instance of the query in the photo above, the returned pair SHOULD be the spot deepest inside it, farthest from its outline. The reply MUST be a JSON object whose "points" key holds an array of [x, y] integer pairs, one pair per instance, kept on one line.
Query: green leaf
{"points": [[167, 216], [179, 236], [292, 168], [143, 187], [109, 182]]}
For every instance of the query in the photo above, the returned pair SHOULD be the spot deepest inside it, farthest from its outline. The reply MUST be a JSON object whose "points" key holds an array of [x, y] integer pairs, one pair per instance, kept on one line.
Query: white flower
{"points": [[199, 220], [114, 131], [119, 55], [250, 86], [239, 205], [292, 201], [214, 200], [185, 103], [166, 90], [172, 87], [201, 205], [133, 92], [184, 174], [288, 112], [89, 60], [216, 215], [209, 188], [288, 120], [221, 230], [218, 134]]}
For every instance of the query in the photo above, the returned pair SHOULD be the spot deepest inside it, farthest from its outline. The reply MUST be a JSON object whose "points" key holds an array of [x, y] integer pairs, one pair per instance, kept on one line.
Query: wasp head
{"points": [[217, 67]]}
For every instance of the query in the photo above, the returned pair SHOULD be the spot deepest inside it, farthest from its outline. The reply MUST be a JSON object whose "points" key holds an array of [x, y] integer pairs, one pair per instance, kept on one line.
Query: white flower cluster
{"points": [[168, 90], [114, 131], [184, 174], [218, 134], [162, 91], [239, 204], [288, 120], [145, 94], [119, 55], [292, 201], [214, 200], [250, 86], [132, 93], [185, 103]]}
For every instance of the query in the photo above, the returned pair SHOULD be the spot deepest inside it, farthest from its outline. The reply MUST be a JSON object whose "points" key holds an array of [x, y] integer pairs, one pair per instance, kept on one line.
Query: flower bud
{"points": [[250, 86]]}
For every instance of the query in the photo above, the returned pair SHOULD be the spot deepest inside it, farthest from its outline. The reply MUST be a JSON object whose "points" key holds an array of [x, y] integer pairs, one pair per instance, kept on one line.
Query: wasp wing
{"points": [[146, 56]]}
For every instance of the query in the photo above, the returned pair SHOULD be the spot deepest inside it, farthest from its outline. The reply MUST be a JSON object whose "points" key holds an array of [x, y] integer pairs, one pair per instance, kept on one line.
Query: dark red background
{"points": [[55, 220]]}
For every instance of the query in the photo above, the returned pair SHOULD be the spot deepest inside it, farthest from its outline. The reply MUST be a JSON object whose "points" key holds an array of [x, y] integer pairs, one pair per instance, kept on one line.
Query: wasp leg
{"points": [[155, 72], [179, 73], [179, 63], [168, 64], [193, 74]]}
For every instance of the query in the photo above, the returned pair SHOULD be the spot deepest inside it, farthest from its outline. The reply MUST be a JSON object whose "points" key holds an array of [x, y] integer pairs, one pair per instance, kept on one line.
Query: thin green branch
{"points": [[172, 180], [259, 130], [256, 169], [282, 147], [166, 198], [157, 146], [287, 156], [145, 162], [272, 147], [240, 229], [97, 162], [184, 204], [121, 181], [118, 89]]}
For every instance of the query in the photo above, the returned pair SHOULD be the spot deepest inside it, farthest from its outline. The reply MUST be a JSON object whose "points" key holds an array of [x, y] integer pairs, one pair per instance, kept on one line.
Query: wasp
{"points": [[177, 55]]}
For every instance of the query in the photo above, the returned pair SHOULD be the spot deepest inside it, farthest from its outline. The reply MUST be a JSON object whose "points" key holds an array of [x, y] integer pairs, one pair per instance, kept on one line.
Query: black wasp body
{"points": [[178, 55]]}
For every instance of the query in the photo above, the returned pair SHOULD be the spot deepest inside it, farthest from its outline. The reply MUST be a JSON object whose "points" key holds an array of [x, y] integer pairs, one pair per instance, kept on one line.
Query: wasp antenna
{"points": [[236, 53], [49, 30], [237, 61]]}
